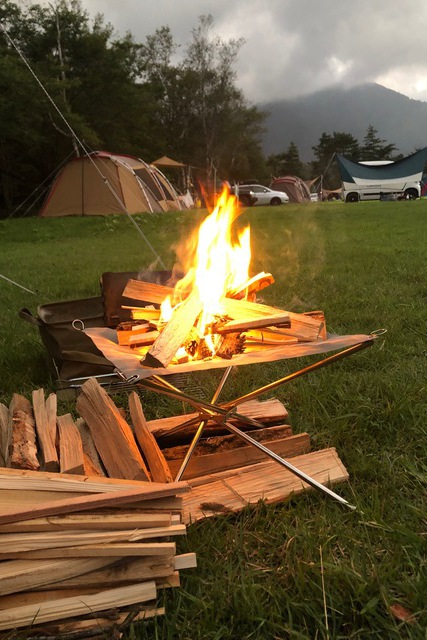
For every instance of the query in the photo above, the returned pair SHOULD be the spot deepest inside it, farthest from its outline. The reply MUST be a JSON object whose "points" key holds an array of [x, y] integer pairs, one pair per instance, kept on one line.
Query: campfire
{"points": [[212, 312]]}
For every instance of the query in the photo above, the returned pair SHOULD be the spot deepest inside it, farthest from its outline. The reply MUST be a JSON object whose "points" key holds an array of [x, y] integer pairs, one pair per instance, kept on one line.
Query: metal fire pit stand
{"points": [[223, 412]]}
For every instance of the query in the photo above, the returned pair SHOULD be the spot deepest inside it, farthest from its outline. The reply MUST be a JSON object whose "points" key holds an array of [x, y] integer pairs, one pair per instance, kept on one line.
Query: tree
{"points": [[374, 148], [343, 143], [286, 163]]}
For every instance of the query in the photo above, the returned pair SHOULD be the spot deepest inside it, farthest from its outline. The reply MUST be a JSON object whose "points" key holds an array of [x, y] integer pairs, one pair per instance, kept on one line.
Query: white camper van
{"points": [[382, 179]]}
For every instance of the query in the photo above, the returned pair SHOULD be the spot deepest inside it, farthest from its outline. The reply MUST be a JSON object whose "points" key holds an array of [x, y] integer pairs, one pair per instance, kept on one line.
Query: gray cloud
{"points": [[295, 47]]}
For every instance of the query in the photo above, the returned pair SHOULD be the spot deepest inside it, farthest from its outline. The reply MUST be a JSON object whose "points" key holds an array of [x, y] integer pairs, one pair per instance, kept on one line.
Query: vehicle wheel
{"points": [[352, 197], [275, 201], [411, 194]]}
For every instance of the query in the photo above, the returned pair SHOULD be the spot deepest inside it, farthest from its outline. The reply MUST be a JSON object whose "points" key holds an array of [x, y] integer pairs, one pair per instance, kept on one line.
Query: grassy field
{"points": [[308, 568]]}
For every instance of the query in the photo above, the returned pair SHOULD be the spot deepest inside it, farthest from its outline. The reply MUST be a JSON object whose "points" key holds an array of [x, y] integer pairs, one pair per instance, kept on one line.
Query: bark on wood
{"points": [[46, 431], [70, 446], [219, 444], [89, 450], [112, 435], [242, 457], [4, 435], [175, 332], [23, 449], [168, 431], [19, 617], [156, 462], [97, 501]]}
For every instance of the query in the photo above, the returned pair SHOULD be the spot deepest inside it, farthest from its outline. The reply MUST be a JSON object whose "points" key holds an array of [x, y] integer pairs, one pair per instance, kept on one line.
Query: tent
{"points": [[103, 183], [296, 188]]}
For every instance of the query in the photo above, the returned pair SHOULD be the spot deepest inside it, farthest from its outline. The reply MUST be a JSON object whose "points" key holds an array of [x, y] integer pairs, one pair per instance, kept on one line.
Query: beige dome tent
{"points": [[103, 183]]}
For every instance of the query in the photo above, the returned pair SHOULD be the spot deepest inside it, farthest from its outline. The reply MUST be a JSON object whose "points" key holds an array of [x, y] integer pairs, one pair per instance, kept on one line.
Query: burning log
{"points": [[175, 333], [252, 286], [23, 450], [147, 291], [111, 433], [275, 320]]}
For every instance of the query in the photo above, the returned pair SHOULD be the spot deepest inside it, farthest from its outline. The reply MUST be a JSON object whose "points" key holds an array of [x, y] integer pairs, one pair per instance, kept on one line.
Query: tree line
{"points": [[70, 85]]}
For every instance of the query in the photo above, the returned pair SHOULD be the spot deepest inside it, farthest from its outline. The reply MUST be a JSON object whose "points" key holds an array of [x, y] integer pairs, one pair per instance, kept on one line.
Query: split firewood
{"points": [[46, 431], [4, 435], [130, 329], [143, 339], [146, 291], [23, 449], [246, 456], [231, 344], [303, 327], [276, 320], [111, 434], [51, 411], [319, 315], [25, 616], [70, 446], [150, 313], [175, 332], [92, 463], [155, 460], [256, 283]]}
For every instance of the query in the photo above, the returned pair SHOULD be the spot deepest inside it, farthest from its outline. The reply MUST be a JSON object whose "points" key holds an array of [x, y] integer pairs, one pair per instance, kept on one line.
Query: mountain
{"points": [[399, 120]]}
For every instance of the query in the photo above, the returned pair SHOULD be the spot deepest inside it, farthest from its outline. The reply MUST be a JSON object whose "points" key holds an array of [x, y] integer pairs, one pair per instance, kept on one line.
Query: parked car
{"points": [[263, 195]]}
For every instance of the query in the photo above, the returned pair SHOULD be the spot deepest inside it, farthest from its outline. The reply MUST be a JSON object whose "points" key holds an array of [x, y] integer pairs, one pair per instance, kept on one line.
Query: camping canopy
{"points": [[296, 188], [164, 161], [103, 183], [408, 169]]}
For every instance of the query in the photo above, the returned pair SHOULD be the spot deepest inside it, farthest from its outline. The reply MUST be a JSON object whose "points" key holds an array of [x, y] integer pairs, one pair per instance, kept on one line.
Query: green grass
{"points": [[308, 568]]}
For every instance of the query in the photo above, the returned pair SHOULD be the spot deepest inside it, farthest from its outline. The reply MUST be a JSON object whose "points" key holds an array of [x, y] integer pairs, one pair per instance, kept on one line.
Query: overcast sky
{"points": [[294, 47]]}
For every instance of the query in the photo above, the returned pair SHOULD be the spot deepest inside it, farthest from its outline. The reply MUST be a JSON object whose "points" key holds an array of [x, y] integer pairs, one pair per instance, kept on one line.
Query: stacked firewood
{"points": [[241, 325], [81, 551]]}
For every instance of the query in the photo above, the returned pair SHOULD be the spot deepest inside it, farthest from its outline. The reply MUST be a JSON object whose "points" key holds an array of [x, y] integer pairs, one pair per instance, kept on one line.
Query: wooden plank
{"points": [[174, 333], [23, 575], [120, 572], [243, 456], [23, 449], [112, 435], [46, 431], [156, 462], [119, 550], [89, 502], [4, 434], [19, 617], [103, 624], [93, 464], [122, 520], [270, 411], [71, 458], [231, 490]]}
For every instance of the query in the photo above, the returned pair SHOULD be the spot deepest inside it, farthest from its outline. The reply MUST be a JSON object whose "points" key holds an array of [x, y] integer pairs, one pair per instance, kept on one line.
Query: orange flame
{"points": [[219, 263]]}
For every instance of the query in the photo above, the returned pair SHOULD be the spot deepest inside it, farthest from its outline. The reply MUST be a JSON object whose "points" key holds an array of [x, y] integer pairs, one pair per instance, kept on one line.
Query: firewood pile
{"points": [[240, 325], [89, 505], [87, 525]]}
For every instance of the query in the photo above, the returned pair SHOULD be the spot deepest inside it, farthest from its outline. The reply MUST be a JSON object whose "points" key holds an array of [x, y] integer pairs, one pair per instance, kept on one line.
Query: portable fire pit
{"points": [[210, 320]]}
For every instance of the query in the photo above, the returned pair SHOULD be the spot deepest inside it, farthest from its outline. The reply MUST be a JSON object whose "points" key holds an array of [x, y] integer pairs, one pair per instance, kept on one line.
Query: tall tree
{"points": [[374, 148], [286, 163], [343, 143]]}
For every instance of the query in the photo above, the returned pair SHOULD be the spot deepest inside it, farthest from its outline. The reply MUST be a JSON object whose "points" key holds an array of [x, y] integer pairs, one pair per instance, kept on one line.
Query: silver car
{"points": [[263, 195]]}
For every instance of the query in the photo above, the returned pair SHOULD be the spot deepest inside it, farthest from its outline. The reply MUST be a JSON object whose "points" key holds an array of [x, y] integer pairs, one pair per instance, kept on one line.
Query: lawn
{"points": [[308, 568]]}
